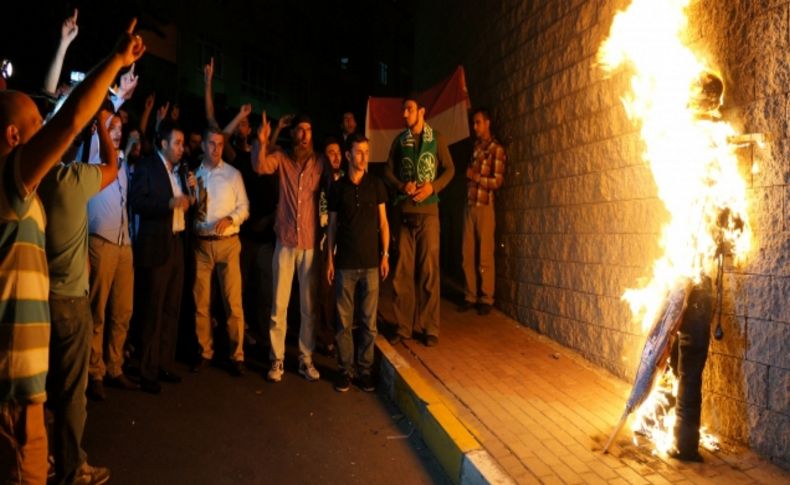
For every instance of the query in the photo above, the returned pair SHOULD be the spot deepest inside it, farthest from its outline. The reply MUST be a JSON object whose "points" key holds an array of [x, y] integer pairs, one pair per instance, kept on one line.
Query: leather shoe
{"points": [[431, 341], [465, 306], [199, 365], [152, 387], [395, 339], [168, 376], [92, 475], [95, 390], [483, 309], [237, 368], [123, 382]]}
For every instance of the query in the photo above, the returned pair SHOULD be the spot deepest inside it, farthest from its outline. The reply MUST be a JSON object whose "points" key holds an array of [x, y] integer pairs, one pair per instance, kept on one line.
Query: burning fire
{"points": [[674, 100]]}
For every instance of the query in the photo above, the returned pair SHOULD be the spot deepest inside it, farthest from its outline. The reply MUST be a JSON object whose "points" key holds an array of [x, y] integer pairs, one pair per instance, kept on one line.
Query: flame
{"points": [[693, 164]]}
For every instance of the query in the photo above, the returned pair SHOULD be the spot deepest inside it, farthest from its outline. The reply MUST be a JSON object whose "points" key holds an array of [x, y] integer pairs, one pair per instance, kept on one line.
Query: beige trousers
{"points": [[478, 254], [221, 255]]}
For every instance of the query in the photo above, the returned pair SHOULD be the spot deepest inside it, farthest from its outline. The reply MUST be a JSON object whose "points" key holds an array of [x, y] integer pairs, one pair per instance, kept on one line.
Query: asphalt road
{"points": [[213, 428]]}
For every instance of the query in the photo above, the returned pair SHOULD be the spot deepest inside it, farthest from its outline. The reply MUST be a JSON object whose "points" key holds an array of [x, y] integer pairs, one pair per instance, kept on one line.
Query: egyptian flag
{"points": [[446, 110]]}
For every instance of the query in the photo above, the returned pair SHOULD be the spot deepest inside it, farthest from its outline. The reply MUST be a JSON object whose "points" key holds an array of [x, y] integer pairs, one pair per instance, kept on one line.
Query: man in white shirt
{"points": [[222, 206]]}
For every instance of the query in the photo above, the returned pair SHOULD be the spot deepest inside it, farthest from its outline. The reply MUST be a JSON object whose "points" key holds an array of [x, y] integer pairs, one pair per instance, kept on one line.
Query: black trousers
{"points": [[692, 353], [161, 287]]}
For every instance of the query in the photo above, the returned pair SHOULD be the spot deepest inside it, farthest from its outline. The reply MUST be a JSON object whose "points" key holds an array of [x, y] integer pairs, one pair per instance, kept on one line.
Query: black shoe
{"points": [[431, 341], [366, 383], [483, 309], [395, 339], [690, 455], [343, 382], [201, 363], [465, 306], [151, 387], [95, 390], [123, 382], [237, 368], [169, 377]]}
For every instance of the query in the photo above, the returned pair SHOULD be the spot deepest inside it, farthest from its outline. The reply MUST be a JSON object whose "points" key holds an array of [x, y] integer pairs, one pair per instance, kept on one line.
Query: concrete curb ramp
{"points": [[460, 454]]}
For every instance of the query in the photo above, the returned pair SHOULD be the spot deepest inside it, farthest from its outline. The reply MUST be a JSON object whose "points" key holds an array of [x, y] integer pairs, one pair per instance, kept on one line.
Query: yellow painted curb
{"points": [[444, 433]]}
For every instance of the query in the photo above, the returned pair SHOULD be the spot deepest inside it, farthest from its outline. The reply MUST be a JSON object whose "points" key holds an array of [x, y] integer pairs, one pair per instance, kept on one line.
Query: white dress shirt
{"points": [[179, 223], [220, 194]]}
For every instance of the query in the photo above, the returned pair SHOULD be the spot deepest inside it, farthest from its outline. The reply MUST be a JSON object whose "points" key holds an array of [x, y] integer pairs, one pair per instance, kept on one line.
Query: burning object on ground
{"points": [[675, 98]]}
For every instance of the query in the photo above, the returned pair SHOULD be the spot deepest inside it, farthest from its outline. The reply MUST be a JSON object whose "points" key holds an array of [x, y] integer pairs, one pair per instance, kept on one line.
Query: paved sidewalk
{"points": [[544, 413]]}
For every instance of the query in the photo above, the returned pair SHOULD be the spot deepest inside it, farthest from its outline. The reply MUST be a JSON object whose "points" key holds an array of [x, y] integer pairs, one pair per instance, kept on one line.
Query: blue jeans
{"points": [[346, 282], [69, 353]]}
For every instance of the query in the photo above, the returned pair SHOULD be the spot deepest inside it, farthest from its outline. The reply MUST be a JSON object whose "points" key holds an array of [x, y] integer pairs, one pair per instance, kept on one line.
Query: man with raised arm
{"points": [[300, 173], [28, 151]]}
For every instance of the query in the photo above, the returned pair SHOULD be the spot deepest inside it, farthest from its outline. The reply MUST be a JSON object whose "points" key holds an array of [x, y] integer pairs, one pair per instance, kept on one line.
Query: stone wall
{"points": [[578, 219]]}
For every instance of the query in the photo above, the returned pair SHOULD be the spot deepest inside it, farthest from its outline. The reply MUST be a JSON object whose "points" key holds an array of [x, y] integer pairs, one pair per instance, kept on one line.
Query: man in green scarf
{"points": [[413, 167]]}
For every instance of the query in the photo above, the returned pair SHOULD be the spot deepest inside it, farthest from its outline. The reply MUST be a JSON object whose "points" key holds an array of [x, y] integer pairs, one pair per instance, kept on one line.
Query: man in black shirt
{"points": [[356, 202]]}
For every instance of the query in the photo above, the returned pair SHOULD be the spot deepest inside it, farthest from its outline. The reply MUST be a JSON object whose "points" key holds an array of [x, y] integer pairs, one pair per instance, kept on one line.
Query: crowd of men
{"points": [[101, 221]]}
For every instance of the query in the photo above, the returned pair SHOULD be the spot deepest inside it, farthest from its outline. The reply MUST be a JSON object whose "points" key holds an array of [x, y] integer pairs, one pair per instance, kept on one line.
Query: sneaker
{"points": [[343, 382], [308, 370], [483, 309], [92, 475], [275, 374], [95, 390], [366, 382]]}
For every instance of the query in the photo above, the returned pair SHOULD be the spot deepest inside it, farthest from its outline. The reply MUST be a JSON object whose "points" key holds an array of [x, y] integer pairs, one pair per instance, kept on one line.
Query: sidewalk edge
{"points": [[463, 458]]}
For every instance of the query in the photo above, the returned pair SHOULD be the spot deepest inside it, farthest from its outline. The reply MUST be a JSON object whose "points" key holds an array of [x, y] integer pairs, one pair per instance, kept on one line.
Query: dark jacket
{"points": [[149, 197]]}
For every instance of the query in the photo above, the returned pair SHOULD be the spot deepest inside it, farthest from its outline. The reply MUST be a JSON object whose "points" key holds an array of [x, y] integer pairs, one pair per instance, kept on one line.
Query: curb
{"points": [[463, 458]]}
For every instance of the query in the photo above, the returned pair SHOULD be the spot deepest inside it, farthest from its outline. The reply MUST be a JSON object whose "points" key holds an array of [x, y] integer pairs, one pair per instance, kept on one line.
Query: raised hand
{"points": [[175, 113], [162, 112], [69, 29], [285, 121], [208, 71], [128, 84], [245, 110], [130, 46], [149, 101], [264, 130]]}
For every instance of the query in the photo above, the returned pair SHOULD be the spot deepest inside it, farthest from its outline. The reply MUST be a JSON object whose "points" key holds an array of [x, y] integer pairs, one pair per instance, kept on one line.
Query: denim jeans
{"points": [[69, 354], [285, 262], [346, 283]]}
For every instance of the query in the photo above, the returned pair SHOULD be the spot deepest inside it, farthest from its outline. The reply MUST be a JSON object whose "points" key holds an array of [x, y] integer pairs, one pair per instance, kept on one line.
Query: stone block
{"points": [[779, 390], [768, 343]]}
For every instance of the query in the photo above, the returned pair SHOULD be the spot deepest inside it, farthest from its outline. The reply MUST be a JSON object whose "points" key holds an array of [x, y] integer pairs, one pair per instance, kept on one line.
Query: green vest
{"points": [[418, 163]]}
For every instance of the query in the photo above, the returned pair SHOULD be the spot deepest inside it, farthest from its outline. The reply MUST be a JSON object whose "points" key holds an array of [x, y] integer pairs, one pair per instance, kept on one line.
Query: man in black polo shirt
{"points": [[356, 203]]}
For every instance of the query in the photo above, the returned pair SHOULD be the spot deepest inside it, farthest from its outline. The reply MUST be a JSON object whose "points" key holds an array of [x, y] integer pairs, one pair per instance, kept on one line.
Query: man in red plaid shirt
{"points": [[485, 175]]}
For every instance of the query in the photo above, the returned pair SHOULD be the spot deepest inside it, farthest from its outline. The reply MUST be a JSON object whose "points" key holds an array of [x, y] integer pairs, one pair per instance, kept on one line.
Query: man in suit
{"points": [[161, 200]]}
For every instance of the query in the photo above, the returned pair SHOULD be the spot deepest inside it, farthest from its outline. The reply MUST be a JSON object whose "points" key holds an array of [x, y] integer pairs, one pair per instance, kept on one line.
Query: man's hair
{"points": [[212, 130], [355, 138], [413, 97], [166, 129], [301, 118], [483, 111], [331, 140]]}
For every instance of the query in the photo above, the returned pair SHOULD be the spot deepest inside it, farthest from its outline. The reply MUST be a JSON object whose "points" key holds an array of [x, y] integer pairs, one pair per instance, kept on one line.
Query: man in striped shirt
{"points": [[485, 174], [28, 151]]}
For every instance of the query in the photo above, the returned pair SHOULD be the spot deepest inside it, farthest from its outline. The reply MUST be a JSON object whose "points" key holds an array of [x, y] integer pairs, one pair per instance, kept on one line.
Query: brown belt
{"points": [[216, 238]]}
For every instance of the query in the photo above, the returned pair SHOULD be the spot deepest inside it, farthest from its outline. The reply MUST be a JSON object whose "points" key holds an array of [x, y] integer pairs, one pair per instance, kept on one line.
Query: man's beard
{"points": [[302, 152]]}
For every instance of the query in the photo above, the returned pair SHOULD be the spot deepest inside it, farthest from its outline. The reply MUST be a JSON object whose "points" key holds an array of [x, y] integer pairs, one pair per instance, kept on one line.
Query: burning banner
{"points": [[674, 98]]}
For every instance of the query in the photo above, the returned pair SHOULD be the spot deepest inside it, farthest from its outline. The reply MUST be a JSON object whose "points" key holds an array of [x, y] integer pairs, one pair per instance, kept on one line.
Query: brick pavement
{"points": [[544, 413]]}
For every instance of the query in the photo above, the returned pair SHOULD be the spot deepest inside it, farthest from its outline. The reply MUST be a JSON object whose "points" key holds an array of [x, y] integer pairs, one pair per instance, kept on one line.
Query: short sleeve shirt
{"points": [[24, 291], [65, 192], [357, 211]]}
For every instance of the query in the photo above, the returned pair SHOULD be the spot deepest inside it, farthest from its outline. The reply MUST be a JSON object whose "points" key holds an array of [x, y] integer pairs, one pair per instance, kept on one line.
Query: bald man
{"points": [[28, 150]]}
